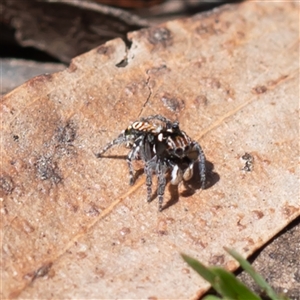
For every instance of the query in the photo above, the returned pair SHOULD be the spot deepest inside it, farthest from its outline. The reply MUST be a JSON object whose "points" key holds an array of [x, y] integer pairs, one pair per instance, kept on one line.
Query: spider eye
{"points": [[127, 131], [175, 125], [170, 127], [179, 152], [129, 137]]}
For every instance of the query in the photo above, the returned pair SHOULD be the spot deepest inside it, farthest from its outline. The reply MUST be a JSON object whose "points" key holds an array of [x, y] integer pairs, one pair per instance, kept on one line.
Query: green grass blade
{"points": [[199, 268], [256, 276], [211, 297], [230, 287], [221, 280]]}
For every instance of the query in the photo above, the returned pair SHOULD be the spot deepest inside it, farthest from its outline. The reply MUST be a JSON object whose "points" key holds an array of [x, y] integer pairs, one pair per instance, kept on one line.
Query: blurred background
{"points": [[42, 36]]}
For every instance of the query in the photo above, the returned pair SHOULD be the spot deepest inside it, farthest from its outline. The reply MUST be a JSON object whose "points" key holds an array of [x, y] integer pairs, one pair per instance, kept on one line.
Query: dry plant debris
{"points": [[65, 28], [71, 227]]}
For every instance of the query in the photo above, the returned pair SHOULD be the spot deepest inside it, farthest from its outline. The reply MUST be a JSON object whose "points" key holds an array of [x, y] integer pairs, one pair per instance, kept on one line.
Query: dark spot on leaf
{"points": [[259, 214], [158, 70], [71, 206], [16, 138], [27, 227], [250, 241], [172, 103], [205, 30], [231, 93], [67, 134], [249, 161], [40, 272], [201, 100], [185, 271], [46, 169], [162, 232], [99, 272], [260, 89], [6, 184], [124, 231], [64, 138], [160, 35], [131, 89], [93, 210], [289, 210], [105, 50], [217, 260], [43, 270], [215, 83], [39, 79], [162, 227], [81, 255]]}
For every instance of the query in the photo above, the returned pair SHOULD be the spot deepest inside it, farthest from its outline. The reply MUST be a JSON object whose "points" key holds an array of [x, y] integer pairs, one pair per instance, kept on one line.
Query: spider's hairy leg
{"points": [[188, 172], [145, 154], [119, 140], [161, 169], [133, 154], [130, 166], [148, 172], [201, 161], [176, 174]]}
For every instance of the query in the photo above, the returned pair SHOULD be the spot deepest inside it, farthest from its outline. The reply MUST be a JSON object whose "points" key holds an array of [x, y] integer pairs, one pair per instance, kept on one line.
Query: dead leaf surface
{"points": [[73, 228]]}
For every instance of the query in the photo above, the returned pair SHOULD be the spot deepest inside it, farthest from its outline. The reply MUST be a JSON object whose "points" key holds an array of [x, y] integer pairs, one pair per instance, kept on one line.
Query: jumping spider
{"points": [[161, 147]]}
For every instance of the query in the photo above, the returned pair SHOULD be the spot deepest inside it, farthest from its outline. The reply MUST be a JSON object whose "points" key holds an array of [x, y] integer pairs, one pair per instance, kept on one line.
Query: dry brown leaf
{"points": [[64, 28], [73, 228]]}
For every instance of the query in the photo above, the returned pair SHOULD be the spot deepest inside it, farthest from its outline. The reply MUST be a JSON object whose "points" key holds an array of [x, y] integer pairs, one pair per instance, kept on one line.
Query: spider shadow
{"points": [[192, 185], [123, 157]]}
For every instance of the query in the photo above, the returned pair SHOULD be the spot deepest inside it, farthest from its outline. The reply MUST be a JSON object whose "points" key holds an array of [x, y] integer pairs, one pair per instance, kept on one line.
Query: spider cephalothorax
{"points": [[161, 146]]}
